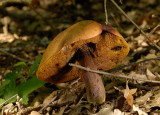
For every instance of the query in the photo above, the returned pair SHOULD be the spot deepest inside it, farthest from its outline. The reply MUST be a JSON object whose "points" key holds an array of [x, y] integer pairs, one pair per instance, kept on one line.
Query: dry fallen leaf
{"points": [[109, 111], [143, 99], [105, 111], [8, 109], [133, 74], [34, 113], [140, 112], [129, 97], [128, 94], [118, 112], [154, 100], [150, 75]]}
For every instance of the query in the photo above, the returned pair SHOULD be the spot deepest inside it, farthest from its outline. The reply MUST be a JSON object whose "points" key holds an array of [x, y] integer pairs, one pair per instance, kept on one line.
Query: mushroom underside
{"points": [[94, 85]]}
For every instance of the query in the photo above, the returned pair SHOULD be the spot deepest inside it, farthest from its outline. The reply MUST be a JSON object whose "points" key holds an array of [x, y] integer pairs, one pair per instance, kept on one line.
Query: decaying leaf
{"points": [[133, 74], [34, 113], [103, 111], [69, 95], [150, 75], [129, 97], [8, 109], [154, 100], [140, 112], [128, 94], [61, 110], [109, 111], [143, 99]]}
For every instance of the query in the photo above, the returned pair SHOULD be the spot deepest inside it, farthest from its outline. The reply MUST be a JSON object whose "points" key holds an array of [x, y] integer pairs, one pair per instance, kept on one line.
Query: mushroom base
{"points": [[94, 85]]}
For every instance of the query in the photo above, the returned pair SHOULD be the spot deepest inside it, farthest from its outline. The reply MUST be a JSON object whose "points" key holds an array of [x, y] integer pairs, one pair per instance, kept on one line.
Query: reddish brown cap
{"points": [[106, 45]]}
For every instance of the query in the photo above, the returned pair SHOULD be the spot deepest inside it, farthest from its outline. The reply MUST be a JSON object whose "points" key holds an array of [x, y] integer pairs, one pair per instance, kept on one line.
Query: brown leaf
{"points": [[129, 100], [128, 94]]}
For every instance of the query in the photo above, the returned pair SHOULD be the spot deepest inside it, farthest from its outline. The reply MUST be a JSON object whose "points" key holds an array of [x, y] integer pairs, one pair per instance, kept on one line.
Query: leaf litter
{"points": [[26, 42]]}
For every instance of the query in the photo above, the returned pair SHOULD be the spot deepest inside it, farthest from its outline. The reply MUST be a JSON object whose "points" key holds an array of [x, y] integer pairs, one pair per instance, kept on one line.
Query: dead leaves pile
{"points": [[133, 97]]}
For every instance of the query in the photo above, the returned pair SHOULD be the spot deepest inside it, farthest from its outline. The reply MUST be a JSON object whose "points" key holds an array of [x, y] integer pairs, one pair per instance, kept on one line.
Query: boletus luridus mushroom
{"points": [[85, 43]]}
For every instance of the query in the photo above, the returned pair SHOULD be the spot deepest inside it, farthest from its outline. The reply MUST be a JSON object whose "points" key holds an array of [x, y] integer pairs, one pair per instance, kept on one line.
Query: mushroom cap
{"points": [[105, 43], [110, 50], [62, 48]]}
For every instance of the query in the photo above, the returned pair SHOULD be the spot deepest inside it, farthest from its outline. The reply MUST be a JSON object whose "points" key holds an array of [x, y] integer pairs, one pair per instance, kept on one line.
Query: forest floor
{"points": [[27, 30]]}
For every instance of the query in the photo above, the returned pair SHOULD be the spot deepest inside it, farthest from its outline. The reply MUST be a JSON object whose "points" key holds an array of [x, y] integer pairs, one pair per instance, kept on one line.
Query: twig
{"points": [[58, 94], [16, 57], [105, 9], [135, 24], [131, 64], [8, 100], [53, 105], [110, 74], [154, 29], [49, 102]]}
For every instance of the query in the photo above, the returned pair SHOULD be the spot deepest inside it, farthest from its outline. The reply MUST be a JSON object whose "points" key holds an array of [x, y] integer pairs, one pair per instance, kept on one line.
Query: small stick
{"points": [[46, 105], [154, 29], [135, 24], [110, 74], [131, 64], [105, 9], [8, 100], [16, 57]]}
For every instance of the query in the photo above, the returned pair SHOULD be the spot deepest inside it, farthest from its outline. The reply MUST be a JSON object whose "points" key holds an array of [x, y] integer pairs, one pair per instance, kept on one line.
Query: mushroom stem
{"points": [[94, 85]]}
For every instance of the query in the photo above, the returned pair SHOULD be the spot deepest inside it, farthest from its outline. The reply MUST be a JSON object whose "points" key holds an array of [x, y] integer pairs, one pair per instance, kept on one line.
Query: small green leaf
{"points": [[9, 85], [10, 89], [20, 64], [35, 65], [29, 86]]}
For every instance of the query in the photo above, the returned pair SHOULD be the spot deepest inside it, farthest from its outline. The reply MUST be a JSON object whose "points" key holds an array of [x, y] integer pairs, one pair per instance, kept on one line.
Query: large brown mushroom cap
{"points": [[62, 48], [107, 49]]}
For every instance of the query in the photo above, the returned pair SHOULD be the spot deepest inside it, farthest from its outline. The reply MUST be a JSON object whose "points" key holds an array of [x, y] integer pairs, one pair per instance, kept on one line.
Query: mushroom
{"points": [[85, 43]]}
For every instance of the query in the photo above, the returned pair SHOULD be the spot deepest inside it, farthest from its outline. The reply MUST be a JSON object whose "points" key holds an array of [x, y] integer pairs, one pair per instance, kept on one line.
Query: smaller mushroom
{"points": [[86, 43]]}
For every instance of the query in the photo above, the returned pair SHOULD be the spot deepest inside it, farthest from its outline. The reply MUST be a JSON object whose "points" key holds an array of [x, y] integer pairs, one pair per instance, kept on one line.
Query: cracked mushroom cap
{"points": [[106, 45]]}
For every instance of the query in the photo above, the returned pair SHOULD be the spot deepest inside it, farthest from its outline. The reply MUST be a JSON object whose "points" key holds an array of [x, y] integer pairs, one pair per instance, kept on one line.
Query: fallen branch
{"points": [[48, 103], [135, 24], [154, 29], [105, 9], [131, 64], [110, 74]]}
